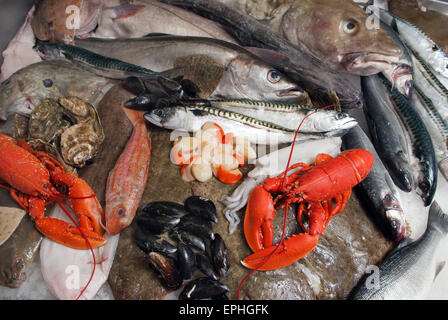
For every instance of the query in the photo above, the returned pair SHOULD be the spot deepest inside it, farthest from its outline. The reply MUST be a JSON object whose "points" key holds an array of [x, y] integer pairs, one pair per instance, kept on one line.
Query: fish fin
{"points": [[439, 268], [126, 10], [437, 218], [269, 56]]}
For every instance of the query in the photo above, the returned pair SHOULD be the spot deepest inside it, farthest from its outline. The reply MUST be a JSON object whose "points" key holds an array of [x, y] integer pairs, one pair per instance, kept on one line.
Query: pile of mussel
{"points": [[199, 256]]}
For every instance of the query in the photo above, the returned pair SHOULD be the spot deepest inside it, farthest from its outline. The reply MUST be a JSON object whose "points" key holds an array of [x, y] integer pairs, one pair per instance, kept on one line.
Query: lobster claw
{"points": [[258, 219], [68, 235], [288, 252]]}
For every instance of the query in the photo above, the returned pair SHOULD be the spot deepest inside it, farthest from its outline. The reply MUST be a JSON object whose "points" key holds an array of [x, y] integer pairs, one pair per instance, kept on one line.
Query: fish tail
{"points": [[437, 218]]}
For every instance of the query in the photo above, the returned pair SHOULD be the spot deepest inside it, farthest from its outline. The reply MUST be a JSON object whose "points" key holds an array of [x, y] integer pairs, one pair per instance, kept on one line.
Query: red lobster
{"points": [[30, 176], [322, 192]]}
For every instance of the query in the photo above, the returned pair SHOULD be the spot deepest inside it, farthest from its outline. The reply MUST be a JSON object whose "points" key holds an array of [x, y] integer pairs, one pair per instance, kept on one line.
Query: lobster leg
{"points": [[288, 252], [258, 219]]}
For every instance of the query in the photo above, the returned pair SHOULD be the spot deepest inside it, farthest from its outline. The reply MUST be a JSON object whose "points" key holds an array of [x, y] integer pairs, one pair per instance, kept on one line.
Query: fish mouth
{"points": [[397, 226], [153, 118], [367, 63], [291, 92]]}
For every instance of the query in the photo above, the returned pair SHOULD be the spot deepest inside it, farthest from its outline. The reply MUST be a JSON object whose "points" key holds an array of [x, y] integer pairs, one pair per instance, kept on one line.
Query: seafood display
{"points": [[211, 152], [135, 135]]}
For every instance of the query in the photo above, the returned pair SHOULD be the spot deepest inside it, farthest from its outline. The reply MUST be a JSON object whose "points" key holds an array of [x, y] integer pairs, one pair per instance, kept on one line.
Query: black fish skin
{"points": [[397, 277], [421, 142], [386, 132]]}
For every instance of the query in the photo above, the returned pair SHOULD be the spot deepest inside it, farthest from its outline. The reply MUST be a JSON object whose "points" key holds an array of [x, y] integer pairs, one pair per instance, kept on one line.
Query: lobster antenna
{"points": [[266, 259]]}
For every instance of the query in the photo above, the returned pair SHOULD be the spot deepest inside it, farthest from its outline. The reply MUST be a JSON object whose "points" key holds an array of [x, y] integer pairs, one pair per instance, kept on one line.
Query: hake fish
{"points": [[191, 118], [220, 69], [408, 271], [26, 88], [388, 133], [378, 190]]}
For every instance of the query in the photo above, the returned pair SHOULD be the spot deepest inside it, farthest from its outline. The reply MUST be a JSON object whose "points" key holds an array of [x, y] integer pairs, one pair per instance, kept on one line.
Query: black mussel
{"points": [[219, 256], [167, 268], [157, 222], [186, 261], [143, 102], [204, 264], [148, 243], [202, 207], [203, 288], [197, 226], [187, 238], [167, 207]]}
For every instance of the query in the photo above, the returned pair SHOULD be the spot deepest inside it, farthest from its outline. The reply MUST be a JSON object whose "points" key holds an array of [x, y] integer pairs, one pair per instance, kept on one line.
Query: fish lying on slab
{"points": [[388, 134], [420, 140], [26, 88], [335, 32], [378, 190], [192, 118], [437, 127], [98, 64], [218, 68], [408, 272], [300, 66]]}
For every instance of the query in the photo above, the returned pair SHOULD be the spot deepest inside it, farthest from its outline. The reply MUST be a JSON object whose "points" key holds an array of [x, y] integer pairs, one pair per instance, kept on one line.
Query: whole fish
{"points": [[408, 271], [218, 68], [192, 118], [305, 69], [335, 32], [378, 191], [422, 146], [289, 115], [98, 64], [388, 133], [27, 87], [127, 180], [421, 43], [436, 126]]}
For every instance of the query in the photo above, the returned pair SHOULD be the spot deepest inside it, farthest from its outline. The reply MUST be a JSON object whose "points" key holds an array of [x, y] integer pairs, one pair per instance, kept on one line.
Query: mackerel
{"points": [[421, 141], [191, 119], [96, 63]]}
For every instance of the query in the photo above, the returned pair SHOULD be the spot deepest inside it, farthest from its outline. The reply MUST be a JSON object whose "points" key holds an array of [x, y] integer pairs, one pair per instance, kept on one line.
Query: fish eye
{"points": [[350, 27], [408, 84], [159, 112], [274, 76], [6, 83], [120, 211], [48, 83], [340, 116]]}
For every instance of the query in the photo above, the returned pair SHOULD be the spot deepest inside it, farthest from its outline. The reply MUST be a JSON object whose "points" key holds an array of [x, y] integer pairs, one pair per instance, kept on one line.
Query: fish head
{"points": [[47, 51], [340, 34], [256, 80], [11, 97], [117, 218], [168, 118], [401, 77], [330, 120]]}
